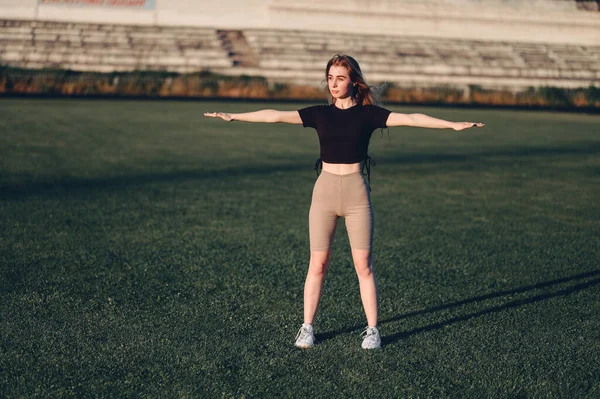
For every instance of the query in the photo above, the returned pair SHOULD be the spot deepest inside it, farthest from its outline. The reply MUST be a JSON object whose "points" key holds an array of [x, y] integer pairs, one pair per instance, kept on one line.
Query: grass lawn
{"points": [[146, 250]]}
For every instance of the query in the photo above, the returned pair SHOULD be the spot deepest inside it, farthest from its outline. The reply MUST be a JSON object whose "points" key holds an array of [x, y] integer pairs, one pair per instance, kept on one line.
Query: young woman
{"points": [[344, 128]]}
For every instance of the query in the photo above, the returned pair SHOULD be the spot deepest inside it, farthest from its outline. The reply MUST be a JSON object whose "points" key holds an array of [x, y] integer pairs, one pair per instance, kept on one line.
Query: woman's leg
{"points": [[359, 215], [319, 261], [322, 222], [368, 284]]}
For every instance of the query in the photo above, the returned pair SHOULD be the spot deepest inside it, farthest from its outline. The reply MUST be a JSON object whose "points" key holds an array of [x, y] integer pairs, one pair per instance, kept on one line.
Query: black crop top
{"points": [[344, 134]]}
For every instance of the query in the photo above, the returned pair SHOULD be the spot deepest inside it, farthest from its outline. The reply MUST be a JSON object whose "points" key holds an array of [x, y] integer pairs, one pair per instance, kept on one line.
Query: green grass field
{"points": [[146, 250]]}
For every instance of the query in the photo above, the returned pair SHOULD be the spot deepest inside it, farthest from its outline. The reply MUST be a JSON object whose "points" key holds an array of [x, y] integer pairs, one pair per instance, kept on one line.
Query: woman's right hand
{"points": [[225, 116]]}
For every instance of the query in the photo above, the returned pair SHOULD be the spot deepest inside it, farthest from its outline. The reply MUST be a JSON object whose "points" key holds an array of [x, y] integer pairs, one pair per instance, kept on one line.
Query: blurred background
{"points": [[501, 52]]}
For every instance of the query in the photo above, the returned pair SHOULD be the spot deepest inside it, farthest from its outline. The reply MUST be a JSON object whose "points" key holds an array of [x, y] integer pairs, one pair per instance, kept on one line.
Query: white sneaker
{"points": [[305, 338], [371, 338]]}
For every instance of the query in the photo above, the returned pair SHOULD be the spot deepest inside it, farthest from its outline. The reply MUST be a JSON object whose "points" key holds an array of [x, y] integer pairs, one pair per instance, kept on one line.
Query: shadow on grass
{"points": [[388, 339], [68, 186], [77, 185]]}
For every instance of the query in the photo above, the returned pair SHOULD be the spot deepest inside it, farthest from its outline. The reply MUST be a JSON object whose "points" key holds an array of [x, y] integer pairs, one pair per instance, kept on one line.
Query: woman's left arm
{"points": [[422, 120]]}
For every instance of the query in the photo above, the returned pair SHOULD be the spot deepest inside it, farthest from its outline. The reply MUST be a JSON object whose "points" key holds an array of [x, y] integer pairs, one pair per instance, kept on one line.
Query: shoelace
{"points": [[303, 332], [368, 162], [369, 331], [318, 166]]}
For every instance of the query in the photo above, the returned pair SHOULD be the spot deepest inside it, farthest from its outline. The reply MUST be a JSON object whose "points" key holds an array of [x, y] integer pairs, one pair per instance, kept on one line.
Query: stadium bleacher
{"points": [[400, 59], [298, 56], [107, 48]]}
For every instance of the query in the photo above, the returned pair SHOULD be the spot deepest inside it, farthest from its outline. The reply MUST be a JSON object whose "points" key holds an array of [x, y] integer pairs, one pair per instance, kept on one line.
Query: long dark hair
{"points": [[362, 92]]}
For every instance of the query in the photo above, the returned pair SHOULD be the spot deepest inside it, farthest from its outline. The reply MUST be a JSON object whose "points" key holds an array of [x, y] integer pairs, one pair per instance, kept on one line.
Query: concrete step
{"points": [[14, 36], [101, 59]]}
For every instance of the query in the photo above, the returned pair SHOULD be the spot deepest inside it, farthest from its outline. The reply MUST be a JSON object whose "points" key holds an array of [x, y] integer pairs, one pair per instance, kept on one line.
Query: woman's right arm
{"points": [[265, 115]]}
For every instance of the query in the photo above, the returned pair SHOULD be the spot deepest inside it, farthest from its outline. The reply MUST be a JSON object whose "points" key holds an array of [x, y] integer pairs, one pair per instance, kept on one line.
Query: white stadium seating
{"points": [[297, 52]]}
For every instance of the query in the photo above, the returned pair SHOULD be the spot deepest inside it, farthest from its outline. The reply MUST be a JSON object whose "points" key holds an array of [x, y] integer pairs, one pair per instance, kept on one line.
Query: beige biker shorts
{"points": [[346, 196]]}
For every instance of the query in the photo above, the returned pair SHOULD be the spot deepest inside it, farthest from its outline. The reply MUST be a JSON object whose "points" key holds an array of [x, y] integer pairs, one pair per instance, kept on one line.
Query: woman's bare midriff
{"points": [[341, 168]]}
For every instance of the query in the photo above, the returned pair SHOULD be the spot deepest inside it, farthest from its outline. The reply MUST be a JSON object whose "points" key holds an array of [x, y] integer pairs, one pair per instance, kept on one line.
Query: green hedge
{"points": [[207, 84]]}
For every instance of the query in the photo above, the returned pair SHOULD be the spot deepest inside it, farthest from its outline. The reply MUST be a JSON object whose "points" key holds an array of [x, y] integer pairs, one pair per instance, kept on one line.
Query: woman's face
{"points": [[338, 80]]}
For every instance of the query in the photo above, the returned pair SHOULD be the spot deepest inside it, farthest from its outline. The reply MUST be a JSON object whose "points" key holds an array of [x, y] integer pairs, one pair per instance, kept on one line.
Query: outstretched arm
{"points": [[265, 115], [422, 120]]}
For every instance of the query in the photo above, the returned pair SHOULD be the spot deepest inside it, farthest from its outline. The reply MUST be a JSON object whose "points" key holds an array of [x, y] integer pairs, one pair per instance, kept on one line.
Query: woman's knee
{"points": [[364, 270], [362, 263], [319, 262]]}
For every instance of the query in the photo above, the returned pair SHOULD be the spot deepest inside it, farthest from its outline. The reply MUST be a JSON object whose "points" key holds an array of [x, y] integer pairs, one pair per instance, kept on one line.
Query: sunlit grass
{"points": [[147, 250]]}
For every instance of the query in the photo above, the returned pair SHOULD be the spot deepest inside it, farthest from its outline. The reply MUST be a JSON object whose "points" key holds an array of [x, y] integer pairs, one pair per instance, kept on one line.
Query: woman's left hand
{"points": [[223, 115], [466, 125]]}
